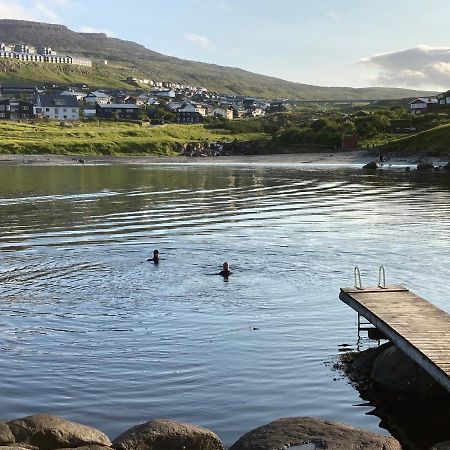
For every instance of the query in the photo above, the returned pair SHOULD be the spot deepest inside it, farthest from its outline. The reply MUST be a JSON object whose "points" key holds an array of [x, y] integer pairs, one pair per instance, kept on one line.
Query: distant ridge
{"points": [[126, 58]]}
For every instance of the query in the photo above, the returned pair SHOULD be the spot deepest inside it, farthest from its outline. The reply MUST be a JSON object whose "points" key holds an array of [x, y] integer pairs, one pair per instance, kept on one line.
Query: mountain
{"points": [[126, 58]]}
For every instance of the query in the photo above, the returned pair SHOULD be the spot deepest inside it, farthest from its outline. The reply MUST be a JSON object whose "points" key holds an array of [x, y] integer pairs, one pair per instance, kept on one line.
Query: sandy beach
{"points": [[328, 159]]}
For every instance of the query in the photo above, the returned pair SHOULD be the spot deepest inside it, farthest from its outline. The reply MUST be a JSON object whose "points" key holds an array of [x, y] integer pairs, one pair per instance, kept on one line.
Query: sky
{"points": [[401, 43]]}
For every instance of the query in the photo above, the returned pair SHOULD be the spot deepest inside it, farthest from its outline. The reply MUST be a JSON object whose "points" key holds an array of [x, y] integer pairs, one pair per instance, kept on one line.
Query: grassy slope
{"points": [[131, 59], [106, 138], [434, 140]]}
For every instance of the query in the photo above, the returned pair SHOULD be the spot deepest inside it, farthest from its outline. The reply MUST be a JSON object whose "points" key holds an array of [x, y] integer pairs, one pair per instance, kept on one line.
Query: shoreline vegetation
{"points": [[278, 134]]}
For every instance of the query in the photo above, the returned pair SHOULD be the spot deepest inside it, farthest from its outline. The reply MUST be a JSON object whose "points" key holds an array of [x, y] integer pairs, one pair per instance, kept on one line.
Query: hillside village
{"points": [[165, 102]]}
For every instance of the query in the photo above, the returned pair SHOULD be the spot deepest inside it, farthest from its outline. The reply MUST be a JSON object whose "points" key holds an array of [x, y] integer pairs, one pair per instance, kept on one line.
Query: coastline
{"points": [[357, 158]]}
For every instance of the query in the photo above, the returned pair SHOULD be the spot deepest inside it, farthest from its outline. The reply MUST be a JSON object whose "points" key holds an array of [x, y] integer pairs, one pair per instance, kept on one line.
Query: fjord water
{"points": [[92, 331]]}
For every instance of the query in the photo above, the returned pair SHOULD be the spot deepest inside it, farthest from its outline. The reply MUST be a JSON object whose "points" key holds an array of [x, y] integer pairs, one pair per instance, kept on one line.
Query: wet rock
{"points": [[13, 447], [447, 166], [51, 432], [325, 434], [424, 166], [441, 446], [393, 369], [6, 436], [371, 166], [165, 434], [86, 447]]}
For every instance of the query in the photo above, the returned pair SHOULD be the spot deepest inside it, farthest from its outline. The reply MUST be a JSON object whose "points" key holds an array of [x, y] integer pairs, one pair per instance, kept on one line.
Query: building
{"points": [[97, 97], [25, 52], [225, 113], [444, 98], [58, 107], [78, 95], [13, 91], [188, 113], [117, 111], [422, 105], [11, 109]]}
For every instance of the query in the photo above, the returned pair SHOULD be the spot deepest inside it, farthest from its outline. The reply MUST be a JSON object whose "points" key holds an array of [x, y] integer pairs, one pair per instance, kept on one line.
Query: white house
{"points": [[223, 112], [78, 95], [58, 107], [97, 97]]}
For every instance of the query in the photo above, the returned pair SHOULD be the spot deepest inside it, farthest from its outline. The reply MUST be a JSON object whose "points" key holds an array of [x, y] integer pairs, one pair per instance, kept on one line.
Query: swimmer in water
{"points": [[225, 272], [155, 258]]}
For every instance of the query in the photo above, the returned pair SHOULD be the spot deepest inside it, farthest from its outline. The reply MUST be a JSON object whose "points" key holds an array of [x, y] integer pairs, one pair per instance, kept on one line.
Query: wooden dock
{"points": [[418, 328]]}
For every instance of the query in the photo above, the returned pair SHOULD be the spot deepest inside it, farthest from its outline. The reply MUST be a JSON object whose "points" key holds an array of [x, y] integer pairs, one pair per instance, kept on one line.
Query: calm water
{"points": [[91, 331]]}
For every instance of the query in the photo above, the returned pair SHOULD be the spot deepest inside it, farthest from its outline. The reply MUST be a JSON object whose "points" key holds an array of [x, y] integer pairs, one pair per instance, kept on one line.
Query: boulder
{"points": [[87, 447], [371, 166], [424, 166], [325, 434], [165, 434], [393, 369], [13, 447], [51, 432], [6, 436]]}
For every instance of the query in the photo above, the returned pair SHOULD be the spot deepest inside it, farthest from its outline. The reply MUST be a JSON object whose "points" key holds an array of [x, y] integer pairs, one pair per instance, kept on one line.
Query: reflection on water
{"points": [[91, 331]]}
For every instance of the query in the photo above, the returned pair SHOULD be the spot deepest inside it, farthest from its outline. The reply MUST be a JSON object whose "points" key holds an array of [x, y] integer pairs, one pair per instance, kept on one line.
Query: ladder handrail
{"points": [[381, 274], [357, 275]]}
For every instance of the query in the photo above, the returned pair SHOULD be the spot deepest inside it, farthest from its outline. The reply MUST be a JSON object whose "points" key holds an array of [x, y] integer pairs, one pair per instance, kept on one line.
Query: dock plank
{"points": [[417, 327]]}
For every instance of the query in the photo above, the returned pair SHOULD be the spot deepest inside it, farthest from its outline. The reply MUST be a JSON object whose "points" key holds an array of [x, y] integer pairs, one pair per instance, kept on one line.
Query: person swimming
{"points": [[225, 272], [155, 258]]}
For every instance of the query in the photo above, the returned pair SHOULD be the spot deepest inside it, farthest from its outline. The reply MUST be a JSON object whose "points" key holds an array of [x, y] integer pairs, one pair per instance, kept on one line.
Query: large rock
{"points": [[371, 166], [424, 166], [13, 447], [325, 434], [51, 432], [165, 434], [87, 447], [393, 369], [6, 436]]}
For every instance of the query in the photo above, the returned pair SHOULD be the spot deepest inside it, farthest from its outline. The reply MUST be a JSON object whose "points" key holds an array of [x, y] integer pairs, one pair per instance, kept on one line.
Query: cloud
{"points": [[88, 29], [201, 41], [421, 67], [44, 10], [334, 15], [14, 10]]}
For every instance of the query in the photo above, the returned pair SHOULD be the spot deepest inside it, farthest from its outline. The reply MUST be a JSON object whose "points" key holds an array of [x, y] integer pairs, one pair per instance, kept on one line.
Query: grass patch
{"points": [[107, 138]]}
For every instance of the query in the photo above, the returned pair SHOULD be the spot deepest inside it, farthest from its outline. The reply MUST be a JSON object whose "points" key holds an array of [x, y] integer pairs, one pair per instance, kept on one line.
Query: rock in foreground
{"points": [[165, 434], [51, 432], [6, 436], [325, 434]]}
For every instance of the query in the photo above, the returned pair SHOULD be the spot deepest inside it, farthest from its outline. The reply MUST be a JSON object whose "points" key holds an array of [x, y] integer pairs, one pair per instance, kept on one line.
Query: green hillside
{"points": [[130, 59], [435, 140]]}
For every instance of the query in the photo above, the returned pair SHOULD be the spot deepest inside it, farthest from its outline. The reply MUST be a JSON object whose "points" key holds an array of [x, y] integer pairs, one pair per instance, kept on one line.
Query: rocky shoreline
{"points": [[411, 404], [48, 432]]}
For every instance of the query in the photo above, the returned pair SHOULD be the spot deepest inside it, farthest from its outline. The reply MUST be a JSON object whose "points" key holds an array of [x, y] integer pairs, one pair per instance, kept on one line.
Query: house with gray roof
{"points": [[127, 111], [97, 97], [58, 107]]}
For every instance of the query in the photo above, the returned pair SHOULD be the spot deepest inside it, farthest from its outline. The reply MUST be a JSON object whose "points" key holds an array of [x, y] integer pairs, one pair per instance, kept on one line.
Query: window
{"points": [[129, 110], [65, 110], [25, 116], [25, 108], [2, 115], [74, 110], [2, 108], [47, 109]]}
